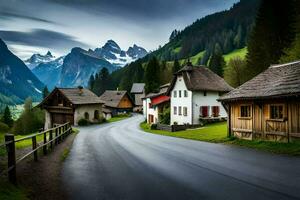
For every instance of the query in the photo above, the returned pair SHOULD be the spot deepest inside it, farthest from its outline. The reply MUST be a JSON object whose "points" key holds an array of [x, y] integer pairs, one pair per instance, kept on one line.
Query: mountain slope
{"points": [[16, 80], [37, 59]]}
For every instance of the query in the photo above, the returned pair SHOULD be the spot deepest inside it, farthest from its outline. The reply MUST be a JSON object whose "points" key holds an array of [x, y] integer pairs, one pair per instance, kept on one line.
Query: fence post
{"points": [[50, 138], [56, 134], [34, 146], [45, 141], [11, 158]]}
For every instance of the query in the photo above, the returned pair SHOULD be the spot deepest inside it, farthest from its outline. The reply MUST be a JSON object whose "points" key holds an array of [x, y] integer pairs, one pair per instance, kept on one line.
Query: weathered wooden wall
{"points": [[125, 103]]}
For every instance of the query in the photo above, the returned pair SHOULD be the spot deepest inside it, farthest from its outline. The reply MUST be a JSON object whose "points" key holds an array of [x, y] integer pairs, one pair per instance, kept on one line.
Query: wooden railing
{"points": [[51, 137]]}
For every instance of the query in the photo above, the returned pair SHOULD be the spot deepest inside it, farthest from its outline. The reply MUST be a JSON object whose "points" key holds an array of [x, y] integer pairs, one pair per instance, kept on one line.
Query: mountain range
{"points": [[77, 66]]}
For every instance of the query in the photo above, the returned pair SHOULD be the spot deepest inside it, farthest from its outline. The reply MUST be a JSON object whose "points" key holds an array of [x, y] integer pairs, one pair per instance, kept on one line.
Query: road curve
{"points": [[118, 161]]}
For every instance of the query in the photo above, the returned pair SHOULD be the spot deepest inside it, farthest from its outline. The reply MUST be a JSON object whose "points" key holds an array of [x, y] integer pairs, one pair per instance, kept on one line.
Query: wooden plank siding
{"points": [[125, 102], [259, 125]]}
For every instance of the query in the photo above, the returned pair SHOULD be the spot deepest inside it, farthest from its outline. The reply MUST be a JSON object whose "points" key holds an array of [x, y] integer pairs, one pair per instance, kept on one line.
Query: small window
{"points": [[185, 111], [276, 112], [175, 110], [245, 111], [204, 93], [185, 93], [215, 111], [179, 110], [86, 115], [179, 93], [175, 94]]}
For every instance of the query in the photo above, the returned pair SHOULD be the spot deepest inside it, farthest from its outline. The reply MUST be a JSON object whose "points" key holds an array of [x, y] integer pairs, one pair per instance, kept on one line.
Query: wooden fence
{"points": [[51, 137]]}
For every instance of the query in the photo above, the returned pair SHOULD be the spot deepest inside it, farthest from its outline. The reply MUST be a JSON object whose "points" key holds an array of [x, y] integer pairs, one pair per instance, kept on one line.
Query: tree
{"points": [[235, 71], [45, 92], [217, 62], [272, 34], [176, 66], [101, 82], [7, 118], [152, 72], [91, 82]]}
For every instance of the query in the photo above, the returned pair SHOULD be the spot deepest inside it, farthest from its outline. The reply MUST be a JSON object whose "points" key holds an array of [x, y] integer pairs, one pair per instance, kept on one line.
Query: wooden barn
{"points": [[70, 105], [117, 101], [268, 106]]}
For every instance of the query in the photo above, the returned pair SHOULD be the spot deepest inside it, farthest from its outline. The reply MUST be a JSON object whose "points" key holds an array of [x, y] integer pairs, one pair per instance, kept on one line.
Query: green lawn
{"points": [[217, 133], [11, 192], [119, 117], [236, 53], [211, 133]]}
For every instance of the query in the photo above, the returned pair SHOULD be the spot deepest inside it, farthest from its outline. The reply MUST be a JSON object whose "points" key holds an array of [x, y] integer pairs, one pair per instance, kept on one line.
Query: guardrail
{"points": [[51, 138]]}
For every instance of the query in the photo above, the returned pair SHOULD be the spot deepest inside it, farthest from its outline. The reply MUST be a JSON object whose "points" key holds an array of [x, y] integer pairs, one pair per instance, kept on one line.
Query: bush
{"points": [[153, 126], [165, 117], [83, 122], [3, 127]]}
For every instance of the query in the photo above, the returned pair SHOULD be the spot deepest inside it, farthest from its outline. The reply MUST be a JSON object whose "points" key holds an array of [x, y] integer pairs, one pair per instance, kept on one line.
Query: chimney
{"points": [[80, 88]]}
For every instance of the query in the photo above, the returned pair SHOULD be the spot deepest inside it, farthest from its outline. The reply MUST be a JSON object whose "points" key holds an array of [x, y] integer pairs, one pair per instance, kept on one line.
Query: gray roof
{"points": [[276, 81], [200, 78], [86, 97], [137, 88], [112, 98], [162, 91]]}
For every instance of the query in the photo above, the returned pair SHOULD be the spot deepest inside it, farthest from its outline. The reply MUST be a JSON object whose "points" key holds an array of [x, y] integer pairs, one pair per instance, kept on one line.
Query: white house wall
{"points": [[47, 120], [150, 111], [90, 109], [181, 101]]}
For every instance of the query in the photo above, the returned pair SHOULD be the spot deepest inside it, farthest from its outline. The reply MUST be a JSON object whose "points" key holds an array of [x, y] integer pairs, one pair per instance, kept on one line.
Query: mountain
{"points": [[17, 82], [79, 65], [36, 59], [49, 72], [112, 52]]}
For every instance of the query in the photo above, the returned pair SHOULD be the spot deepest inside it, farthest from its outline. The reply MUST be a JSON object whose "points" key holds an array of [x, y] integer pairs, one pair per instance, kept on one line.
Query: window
{"points": [[86, 115], [215, 111], [204, 111], [184, 111], [204, 93], [179, 110], [246, 111], [185, 93], [175, 94], [276, 111], [175, 110], [179, 93]]}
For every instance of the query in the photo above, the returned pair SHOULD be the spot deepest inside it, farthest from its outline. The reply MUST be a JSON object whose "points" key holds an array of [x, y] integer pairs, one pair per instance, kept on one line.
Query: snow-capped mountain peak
{"points": [[36, 59]]}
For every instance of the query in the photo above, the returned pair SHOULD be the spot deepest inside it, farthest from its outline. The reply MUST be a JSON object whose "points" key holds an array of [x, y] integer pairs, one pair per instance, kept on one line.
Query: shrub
{"points": [[3, 127], [165, 117], [83, 122], [153, 126]]}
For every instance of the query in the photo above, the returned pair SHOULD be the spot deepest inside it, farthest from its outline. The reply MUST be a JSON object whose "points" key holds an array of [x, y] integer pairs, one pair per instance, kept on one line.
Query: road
{"points": [[118, 161]]}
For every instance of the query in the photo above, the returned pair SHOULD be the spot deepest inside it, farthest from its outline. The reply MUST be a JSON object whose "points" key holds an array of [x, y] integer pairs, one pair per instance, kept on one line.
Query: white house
{"points": [[154, 104], [194, 92]]}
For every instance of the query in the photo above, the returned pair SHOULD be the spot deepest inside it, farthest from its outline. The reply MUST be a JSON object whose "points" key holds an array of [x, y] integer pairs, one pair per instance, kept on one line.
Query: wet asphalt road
{"points": [[118, 161]]}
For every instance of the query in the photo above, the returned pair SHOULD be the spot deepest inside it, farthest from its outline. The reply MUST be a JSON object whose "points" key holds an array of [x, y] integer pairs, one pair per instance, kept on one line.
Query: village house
{"points": [[138, 92], [194, 91], [70, 105], [268, 106], [155, 103], [117, 101]]}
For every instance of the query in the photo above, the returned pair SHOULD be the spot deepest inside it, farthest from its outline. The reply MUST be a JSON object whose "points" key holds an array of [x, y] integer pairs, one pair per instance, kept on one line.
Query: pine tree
{"points": [[7, 118], [91, 82], [176, 66], [217, 62], [101, 82], [152, 72], [45, 92], [272, 34]]}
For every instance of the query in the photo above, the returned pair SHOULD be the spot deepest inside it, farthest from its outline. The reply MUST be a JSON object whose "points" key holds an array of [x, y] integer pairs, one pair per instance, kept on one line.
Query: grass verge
{"points": [[119, 117], [217, 133], [9, 192]]}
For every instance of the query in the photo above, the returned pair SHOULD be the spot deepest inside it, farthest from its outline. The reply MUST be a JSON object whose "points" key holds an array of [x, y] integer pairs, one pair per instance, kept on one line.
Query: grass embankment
{"points": [[217, 133], [24, 143], [236, 53], [118, 117], [9, 192]]}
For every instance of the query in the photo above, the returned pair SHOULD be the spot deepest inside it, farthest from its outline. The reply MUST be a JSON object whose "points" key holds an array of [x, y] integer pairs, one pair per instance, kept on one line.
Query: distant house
{"points": [[194, 91], [107, 114], [117, 101], [138, 92], [268, 106], [155, 103], [70, 105]]}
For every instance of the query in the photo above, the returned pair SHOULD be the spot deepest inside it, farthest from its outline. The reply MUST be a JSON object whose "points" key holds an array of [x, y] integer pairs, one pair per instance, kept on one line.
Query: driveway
{"points": [[118, 161]]}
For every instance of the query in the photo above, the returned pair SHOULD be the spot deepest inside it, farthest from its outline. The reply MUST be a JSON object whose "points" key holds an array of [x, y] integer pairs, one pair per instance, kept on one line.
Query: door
{"points": [[59, 118]]}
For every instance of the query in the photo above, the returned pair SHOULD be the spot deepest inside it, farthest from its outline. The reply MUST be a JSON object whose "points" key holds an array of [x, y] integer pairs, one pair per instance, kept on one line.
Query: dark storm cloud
{"points": [[9, 15], [41, 38]]}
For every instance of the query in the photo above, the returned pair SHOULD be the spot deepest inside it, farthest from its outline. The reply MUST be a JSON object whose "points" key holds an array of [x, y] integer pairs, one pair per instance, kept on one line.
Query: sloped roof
{"points": [[112, 98], [162, 91], [137, 88], [200, 78], [276, 81]]}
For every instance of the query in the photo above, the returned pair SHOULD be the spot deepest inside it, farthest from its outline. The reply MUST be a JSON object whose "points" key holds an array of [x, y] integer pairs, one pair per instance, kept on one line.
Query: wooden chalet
{"points": [[268, 106], [70, 105], [117, 101]]}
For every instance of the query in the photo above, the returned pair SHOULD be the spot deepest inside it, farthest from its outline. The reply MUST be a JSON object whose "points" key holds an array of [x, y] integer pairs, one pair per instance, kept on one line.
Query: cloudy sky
{"points": [[36, 26]]}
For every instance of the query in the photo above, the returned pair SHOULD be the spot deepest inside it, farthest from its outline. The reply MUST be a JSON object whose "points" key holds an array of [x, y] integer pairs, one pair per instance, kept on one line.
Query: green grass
{"points": [[65, 154], [211, 133], [11, 192], [27, 143], [177, 50], [236, 53], [118, 118]]}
